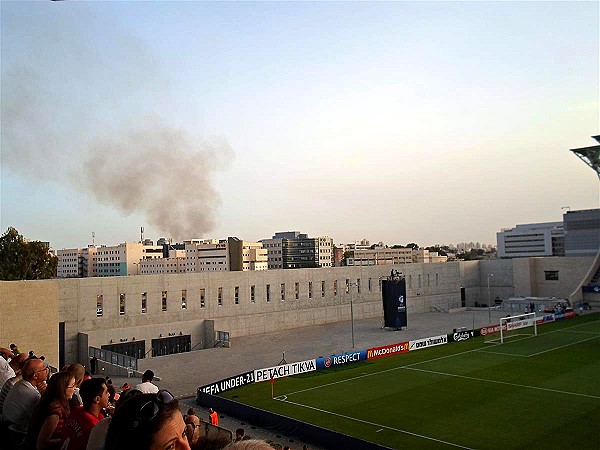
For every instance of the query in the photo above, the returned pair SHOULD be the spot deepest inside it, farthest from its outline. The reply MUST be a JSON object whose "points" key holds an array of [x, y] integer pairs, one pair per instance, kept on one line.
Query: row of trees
{"points": [[23, 260]]}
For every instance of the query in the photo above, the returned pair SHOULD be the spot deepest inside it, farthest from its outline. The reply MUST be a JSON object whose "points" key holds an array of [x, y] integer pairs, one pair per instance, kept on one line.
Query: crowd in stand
{"points": [[72, 410]]}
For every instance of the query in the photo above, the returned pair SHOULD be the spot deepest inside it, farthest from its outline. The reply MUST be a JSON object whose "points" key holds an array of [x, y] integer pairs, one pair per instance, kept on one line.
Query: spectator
{"points": [[78, 372], [8, 385], [24, 396], [192, 430], [82, 419], [239, 435], [6, 371], [97, 440], [15, 349], [148, 422], [125, 388], [214, 417], [146, 385], [45, 429]]}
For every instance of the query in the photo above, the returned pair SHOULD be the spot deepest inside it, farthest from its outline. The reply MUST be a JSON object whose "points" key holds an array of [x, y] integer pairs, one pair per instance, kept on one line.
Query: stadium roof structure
{"points": [[590, 155]]}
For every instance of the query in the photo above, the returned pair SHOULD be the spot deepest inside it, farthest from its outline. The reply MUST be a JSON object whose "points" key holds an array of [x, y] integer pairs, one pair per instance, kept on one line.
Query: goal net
{"points": [[521, 325]]}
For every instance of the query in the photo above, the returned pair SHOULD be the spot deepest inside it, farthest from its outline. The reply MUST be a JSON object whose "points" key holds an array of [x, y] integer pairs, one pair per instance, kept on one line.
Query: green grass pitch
{"points": [[534, 392]]}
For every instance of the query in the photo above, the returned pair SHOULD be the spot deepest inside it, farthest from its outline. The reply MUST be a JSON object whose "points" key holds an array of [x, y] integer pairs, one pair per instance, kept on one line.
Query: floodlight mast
{"points": [[590, 155]]}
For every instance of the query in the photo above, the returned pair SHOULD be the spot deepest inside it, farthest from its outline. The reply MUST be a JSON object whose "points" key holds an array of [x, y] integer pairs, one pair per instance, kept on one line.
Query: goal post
{"points": [[521, 325]]}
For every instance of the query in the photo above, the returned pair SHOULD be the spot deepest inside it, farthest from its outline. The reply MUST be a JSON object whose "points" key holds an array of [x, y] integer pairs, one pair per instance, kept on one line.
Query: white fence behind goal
{"points": [[513, 326]]}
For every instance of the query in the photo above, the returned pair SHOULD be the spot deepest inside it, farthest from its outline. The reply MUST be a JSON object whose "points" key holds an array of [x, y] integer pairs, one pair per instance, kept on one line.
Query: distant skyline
{"points": [[426, 122]]}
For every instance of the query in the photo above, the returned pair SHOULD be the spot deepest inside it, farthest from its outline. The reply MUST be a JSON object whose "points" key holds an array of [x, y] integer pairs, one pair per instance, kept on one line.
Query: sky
{"points": [[427, 122]]}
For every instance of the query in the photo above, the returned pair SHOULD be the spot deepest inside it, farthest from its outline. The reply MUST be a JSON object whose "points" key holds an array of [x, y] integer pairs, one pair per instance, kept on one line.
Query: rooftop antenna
{"points": [[141, 234], [93, 238]]}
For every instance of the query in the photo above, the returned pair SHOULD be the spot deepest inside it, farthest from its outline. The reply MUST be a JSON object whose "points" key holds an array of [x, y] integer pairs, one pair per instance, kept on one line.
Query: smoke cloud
{"points": [[161, 172], [77, 112]]}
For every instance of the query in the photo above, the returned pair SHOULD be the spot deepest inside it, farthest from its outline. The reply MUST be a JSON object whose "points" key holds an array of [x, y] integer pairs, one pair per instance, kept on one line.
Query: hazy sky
{"points": [[427, 122]]}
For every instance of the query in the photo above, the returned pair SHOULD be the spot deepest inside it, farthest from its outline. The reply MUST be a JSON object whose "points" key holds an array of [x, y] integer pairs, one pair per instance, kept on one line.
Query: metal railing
{"points": [[117, 359]]}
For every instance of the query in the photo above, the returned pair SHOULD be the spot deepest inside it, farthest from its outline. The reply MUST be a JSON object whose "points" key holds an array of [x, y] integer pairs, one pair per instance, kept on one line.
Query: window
{"points": [[164, 300], [220, 297], [551, 275], [121, 304], [144, 302], [358, 285], [237, 295], [297, 290], [410, 281], [347, 286], [268, 292], [322, 289], [282, 291], [99, 305], [253, 294], [370, 288], [183, 299], [310, 289], [202, 297], [335, 288]]}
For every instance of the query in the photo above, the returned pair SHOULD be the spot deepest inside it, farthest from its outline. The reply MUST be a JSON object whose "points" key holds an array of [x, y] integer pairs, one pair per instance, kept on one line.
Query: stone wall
{"points": [[29, 317], [30, 311]]}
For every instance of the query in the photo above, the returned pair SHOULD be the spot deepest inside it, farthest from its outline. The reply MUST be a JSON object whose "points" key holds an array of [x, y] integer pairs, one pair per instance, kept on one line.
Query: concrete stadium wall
{"points": [[29, 317], [73, 301]]}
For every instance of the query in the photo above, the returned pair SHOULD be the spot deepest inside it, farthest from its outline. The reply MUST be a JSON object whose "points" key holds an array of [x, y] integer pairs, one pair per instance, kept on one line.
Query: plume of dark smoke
{"points": [[148, 167], [159, 171]]}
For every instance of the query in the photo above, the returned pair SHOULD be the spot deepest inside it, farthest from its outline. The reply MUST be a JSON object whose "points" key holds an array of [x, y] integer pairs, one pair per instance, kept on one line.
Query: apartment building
{"points": [[380, 256], [124, 259], [534, 239], [76, 262]]}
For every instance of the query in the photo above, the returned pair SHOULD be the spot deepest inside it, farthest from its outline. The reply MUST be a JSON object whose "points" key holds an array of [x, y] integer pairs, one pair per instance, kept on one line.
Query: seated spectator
{"points": [[45, 429], [146, 386], [15, 349], [6, 371], [148, 422], [82, 419], [239, 435], [8, 385], [24, 396], [97, 440], [78, 372], [192, 430]]}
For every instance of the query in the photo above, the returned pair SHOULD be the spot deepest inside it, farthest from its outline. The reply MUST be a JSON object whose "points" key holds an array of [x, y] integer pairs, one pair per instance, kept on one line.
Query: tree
{"points": [[22, 260], [413, 246]]}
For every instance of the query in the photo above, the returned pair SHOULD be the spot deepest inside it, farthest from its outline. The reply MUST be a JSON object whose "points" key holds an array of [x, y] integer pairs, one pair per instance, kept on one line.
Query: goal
{"points": [[521, 325]]}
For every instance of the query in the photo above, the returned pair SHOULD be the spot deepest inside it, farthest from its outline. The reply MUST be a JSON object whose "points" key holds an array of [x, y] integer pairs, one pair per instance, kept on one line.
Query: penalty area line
{"points": [[556, 391], [381, 427]]}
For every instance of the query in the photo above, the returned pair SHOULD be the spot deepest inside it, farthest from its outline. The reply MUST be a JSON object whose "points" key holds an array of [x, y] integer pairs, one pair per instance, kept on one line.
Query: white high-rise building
{"points": [[534, 239]]}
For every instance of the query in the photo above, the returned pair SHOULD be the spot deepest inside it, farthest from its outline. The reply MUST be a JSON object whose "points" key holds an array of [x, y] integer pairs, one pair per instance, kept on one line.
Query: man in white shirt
{"points": [[6, 371], [146, 386]]}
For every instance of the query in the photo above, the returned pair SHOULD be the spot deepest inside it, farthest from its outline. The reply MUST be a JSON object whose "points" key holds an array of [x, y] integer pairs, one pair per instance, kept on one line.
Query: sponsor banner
{"points": [[339, 360], [494, 329], [285, 370], [418, 344], [387, 350], [519, 324], [461, 336], [228, 384]]}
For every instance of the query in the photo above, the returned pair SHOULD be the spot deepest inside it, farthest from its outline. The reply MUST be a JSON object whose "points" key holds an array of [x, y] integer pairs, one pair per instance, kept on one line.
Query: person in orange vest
{"points": [[214, 417]]}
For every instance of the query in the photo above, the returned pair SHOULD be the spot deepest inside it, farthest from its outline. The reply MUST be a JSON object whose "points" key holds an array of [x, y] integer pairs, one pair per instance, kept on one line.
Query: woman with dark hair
{"points": [[148, 422], [45, 430]]}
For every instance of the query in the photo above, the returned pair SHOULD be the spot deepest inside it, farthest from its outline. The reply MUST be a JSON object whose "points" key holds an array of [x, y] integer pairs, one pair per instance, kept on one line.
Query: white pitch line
{"points": [[566, 345], [480, 349], [379, 425], [503, 382]]}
